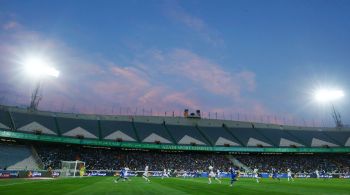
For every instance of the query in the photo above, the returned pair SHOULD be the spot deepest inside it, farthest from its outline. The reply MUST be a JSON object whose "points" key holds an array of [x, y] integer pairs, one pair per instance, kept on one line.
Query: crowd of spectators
{"points": [[115, 159], [298, 163]]}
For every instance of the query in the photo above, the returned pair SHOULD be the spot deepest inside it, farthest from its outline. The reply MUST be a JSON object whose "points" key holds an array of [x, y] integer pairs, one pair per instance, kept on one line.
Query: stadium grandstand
{"points": [[37, 140]]}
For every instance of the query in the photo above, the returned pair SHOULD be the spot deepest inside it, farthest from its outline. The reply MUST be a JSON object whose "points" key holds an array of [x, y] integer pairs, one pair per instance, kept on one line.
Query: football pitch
{"points": [[169, 186]]}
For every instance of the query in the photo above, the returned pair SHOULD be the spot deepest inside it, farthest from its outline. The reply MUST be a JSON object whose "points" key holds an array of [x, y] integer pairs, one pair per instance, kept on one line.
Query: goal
{"points": [[71, 168]]}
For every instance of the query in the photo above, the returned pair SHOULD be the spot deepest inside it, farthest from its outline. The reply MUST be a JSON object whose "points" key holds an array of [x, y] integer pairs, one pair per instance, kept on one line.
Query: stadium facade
{"points": [[169, 133]]}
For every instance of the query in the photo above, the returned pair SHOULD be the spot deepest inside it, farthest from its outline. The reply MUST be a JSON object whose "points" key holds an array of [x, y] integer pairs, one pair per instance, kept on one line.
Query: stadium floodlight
{"points": [[38, 67], [328, 95]]}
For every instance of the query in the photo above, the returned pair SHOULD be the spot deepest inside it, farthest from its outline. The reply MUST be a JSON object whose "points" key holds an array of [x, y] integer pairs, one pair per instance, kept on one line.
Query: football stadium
{"points": [[174, 97], [58, 153]]}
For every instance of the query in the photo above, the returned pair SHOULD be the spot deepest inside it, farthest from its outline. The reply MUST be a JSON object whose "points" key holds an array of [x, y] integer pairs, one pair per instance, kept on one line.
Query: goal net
{"points": [[71, 168]]}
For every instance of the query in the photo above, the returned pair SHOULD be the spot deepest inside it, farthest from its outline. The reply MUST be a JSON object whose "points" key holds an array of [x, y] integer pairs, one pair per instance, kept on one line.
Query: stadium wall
{"points": [[168, 120], [144, 132], [106, 143]]}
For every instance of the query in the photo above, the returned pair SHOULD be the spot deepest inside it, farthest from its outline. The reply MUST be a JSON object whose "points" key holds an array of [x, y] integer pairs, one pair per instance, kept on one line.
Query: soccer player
{"points": [[122, 175], [317, 174], [165, 174], [82, 171], [49, 170], [238, 173], [218, 173], [168, 172], [324, 174], [275, 174], [184, 174], [256, 175], [289, 174], [126, 174], [145, 174], [233, 175], [212, 174]]}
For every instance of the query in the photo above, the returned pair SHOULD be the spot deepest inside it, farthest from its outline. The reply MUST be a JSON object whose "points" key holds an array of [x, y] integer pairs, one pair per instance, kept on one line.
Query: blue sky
{"points": [[260, 59]]}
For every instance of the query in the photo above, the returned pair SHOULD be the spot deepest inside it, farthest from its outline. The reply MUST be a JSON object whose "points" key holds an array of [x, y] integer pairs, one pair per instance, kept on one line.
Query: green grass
{"points": [[169, 186]]}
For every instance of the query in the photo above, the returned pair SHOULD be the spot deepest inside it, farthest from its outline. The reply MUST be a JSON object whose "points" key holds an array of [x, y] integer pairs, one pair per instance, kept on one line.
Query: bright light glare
{"points": [[38, 67], [328, 95]]}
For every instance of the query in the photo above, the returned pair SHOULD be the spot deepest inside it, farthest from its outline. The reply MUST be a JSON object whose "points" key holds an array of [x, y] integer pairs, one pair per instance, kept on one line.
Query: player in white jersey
{"points": [[127, 173], [218, 173], [145, 174], [212, 174], [256, 175], [184, 174], [165, 174], [289, 174], [168, 172], [317, 174]]}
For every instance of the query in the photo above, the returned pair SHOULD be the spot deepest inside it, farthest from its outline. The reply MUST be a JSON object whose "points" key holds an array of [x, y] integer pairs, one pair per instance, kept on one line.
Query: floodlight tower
{"points": [[35, 99], [329, 96], [337, 118], [38, 68]]}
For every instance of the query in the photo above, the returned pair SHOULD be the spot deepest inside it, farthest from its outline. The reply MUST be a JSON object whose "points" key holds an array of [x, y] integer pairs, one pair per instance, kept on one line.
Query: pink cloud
{"points": [[181, 99], [85, 83], [88, 84], [133, 76], [150, 80], [151, 96], [202, 72]]}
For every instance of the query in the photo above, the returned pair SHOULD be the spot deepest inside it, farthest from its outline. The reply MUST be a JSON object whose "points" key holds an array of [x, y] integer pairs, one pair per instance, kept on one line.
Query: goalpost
{"points": [[71, 168]]}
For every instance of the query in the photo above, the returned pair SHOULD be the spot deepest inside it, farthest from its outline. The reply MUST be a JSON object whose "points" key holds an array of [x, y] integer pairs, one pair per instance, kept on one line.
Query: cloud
{"points": [[185, 66], [174, 10], [180, 99], [132, 76], [162, 80], [11, 25], [152, 80], [128, 86]]}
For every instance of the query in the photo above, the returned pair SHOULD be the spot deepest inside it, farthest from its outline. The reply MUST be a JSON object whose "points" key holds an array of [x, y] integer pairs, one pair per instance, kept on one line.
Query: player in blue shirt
{"points": [[275, 174], [233, 175], [122, 175]]}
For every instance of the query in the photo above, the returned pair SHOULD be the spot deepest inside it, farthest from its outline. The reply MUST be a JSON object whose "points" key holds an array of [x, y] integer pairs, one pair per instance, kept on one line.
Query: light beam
{"points": [[328, 95], [38, 67]]}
